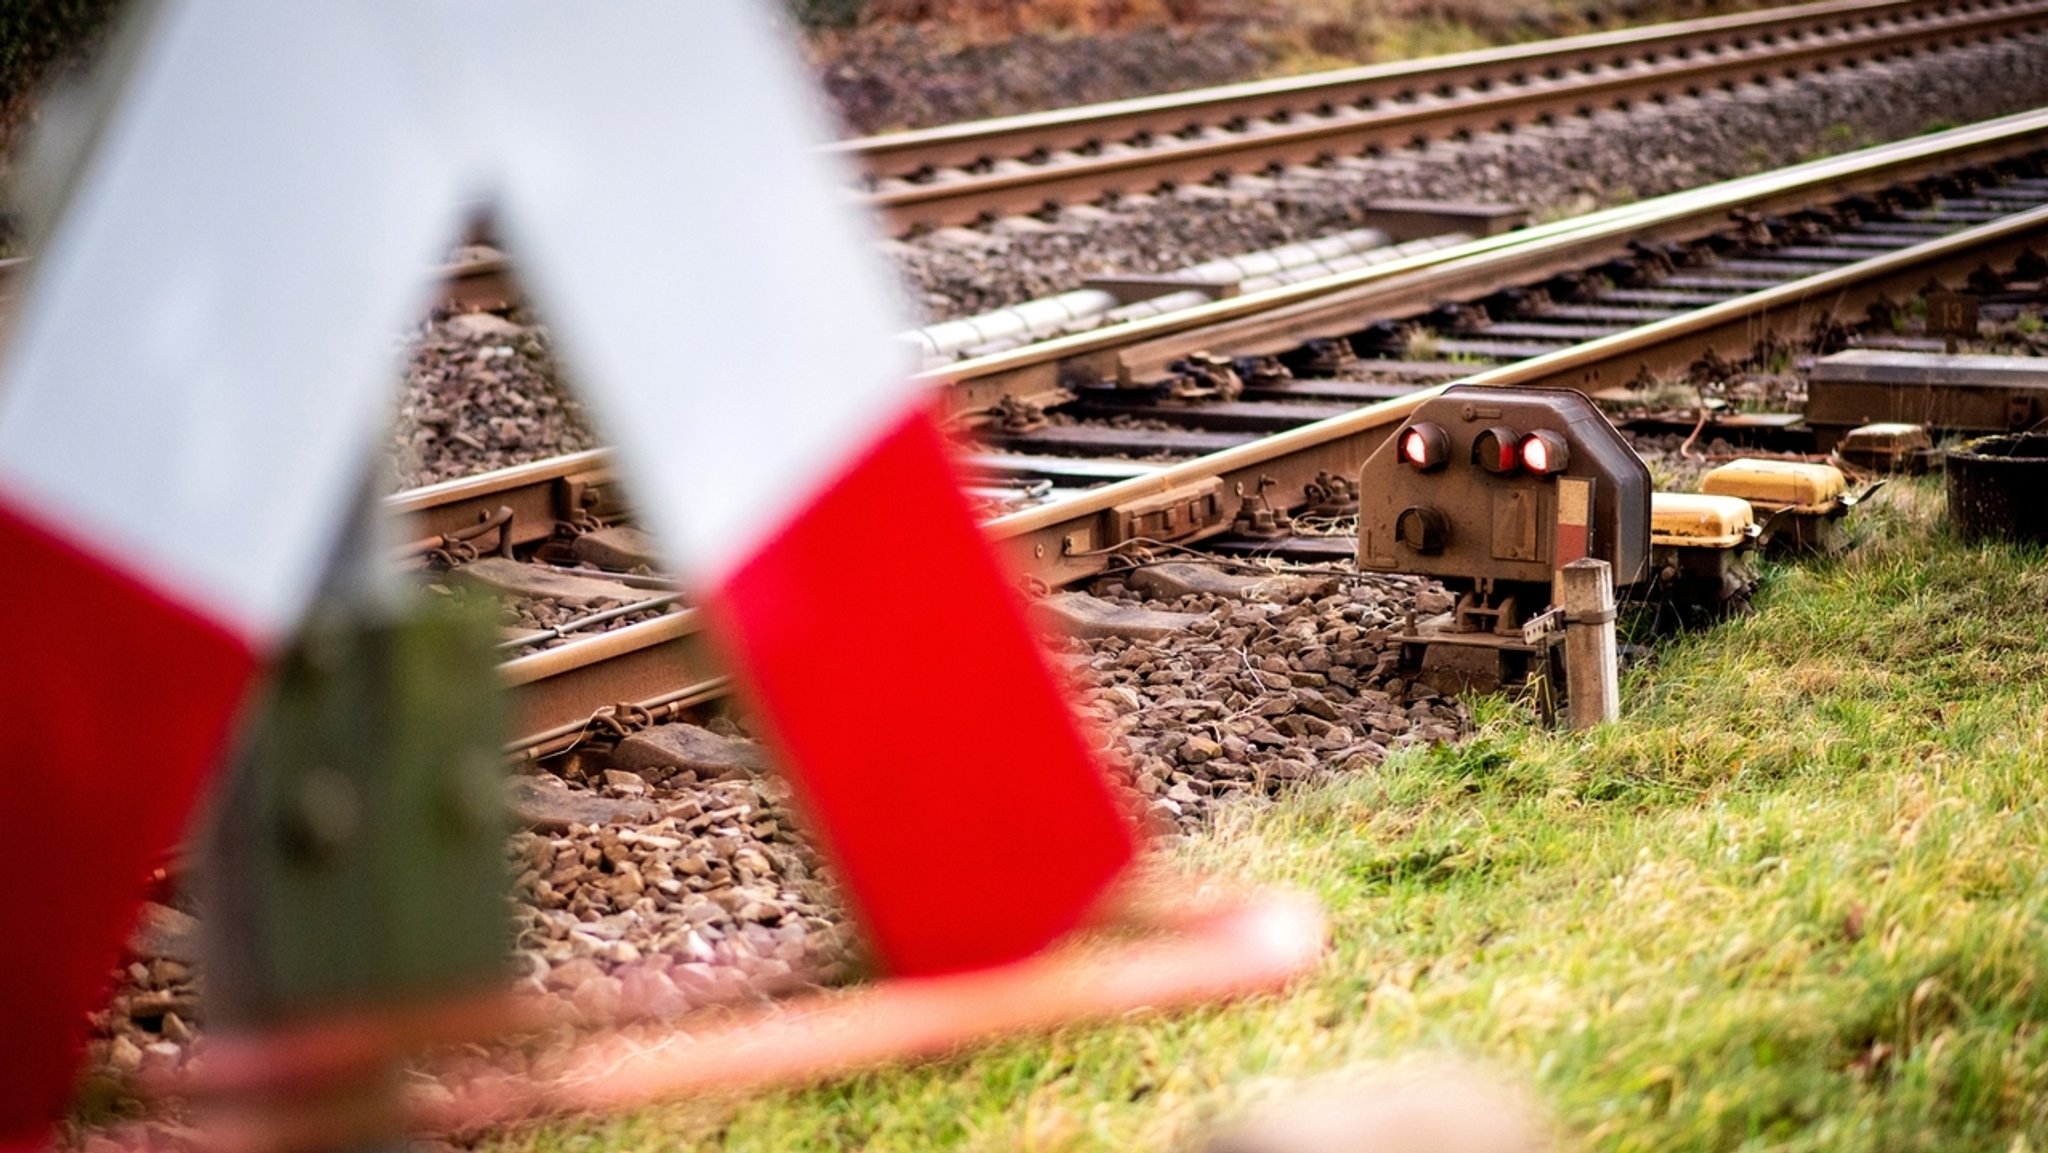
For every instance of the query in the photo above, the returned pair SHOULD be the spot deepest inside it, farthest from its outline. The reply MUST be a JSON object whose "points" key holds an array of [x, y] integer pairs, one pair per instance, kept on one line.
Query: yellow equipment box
{"points": [[1774, 485], [1699, 520]]}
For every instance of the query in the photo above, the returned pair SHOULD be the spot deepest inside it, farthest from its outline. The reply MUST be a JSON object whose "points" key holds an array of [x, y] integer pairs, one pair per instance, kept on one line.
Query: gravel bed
{"points": [[1571, 168], [890, 77], [481, 392], [1676, 468], [716, 898], [1263, 694]]}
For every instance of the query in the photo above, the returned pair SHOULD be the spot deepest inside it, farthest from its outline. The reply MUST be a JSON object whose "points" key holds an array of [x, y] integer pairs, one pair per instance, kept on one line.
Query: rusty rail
{"points": [[1054, 543], [1268, 321]]}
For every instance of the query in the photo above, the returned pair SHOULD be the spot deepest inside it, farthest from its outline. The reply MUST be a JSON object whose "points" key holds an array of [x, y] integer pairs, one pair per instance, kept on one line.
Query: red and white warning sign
{"points": [[194, 393]]}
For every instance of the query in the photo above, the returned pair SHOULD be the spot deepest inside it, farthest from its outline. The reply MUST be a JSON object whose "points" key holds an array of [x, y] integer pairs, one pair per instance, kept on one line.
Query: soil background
{"points": [[889, 65]]}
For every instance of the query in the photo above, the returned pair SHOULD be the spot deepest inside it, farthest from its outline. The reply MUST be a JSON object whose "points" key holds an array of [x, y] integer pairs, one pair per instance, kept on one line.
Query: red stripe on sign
{"points": [[114, 704], [1571, 543], [935, 751]]}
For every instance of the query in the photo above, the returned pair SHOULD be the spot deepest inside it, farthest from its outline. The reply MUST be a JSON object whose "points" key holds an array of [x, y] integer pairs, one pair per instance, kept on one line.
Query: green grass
{"points": [[1794, 899]]}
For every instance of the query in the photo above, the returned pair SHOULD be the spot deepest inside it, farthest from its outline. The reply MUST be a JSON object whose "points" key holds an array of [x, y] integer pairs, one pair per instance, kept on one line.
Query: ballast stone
{"points": [[1082, 615], [484, 326], [1175, 579], [165, 932], [544, 804], [661, 753], [516, 578]]}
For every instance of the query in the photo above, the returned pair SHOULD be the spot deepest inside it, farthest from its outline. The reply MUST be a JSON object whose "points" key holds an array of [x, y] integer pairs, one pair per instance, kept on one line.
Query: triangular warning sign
{"points": [[193, 392]]}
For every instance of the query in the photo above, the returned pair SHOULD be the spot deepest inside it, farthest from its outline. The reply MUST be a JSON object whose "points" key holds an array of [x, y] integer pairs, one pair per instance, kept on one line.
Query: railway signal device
{"points": [[1492, 491], [285, 205]]}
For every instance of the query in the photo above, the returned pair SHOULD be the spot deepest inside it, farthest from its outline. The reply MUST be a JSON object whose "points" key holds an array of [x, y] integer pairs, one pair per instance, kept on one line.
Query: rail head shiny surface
{"points": [[497, 482]]}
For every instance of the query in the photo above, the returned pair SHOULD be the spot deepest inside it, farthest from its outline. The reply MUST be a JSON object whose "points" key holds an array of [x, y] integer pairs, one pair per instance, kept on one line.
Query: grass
{"points": [[1794, 899]]}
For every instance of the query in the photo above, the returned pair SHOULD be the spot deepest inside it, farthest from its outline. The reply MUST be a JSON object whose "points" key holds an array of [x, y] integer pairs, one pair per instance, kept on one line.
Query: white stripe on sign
{"points": [[722, 306], [202, 359], [1574, 500], [206, 353]]}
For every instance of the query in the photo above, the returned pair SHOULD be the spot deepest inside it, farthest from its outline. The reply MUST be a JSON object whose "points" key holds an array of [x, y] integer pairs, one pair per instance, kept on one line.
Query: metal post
{"points": [[353, 867], [1592, 666]]}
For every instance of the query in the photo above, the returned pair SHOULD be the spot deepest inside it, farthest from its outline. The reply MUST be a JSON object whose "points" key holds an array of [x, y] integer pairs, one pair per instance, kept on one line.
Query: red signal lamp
{"points": [[1545, 453], [1425, 447], [1497, 450]]}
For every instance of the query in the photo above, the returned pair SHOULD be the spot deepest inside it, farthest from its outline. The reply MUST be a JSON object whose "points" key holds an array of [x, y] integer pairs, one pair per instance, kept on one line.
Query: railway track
{"points": [[969, 173], [1178, 432], [1299, 386], [966, 173]]}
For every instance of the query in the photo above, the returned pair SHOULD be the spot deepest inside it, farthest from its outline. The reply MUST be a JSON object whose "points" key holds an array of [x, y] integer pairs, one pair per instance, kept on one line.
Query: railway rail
{"points": [[971, 172], [1326, 372]]}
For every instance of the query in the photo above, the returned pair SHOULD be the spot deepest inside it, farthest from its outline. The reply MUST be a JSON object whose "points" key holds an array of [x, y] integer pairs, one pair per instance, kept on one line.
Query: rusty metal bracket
{"points": [[619, 721], [453, 548], [1016, 415], [1258, 518], [1204, 376], [586, 501], [1331, 495]]}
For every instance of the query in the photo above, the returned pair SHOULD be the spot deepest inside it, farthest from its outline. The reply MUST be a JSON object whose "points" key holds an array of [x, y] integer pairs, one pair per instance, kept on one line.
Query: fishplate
{"points": [[1175, 514]]}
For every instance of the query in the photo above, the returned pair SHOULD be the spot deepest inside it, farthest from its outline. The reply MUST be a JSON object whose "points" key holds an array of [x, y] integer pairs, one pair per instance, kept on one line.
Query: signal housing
{"points": [[1504, 527]]}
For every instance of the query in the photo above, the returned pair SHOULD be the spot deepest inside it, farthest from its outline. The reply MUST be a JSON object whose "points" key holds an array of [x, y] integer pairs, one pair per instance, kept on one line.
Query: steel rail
{"points": [[540, 495], [661, 666], [959, 197], [1346, 109], [1265, 321], [1092, 125]]}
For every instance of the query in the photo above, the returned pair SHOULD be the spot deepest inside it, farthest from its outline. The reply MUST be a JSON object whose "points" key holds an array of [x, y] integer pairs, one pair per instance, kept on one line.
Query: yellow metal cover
{"points": [[1697, 520], [1777, 484], [1887, 436]]}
